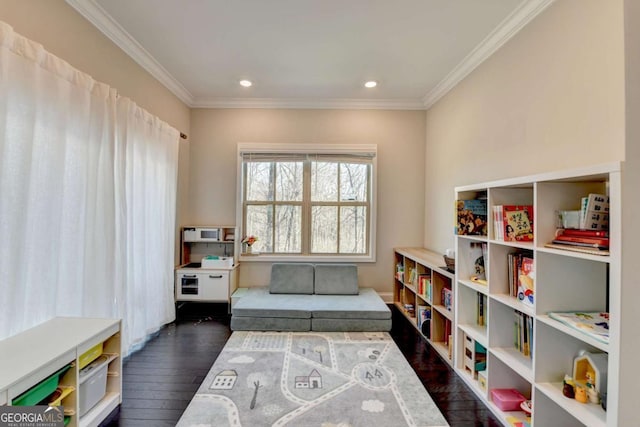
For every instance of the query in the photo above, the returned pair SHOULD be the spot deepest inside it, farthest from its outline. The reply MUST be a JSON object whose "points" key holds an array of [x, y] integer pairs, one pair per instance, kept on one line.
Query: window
{"points": [[308, 203]]}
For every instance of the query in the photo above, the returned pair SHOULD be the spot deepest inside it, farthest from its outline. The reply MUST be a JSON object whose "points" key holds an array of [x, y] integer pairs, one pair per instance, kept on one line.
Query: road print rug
{"points": [[309, 379]]}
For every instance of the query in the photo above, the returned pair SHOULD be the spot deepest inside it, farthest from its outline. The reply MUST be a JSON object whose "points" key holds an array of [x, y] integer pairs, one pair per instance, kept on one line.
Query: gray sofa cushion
{"points": [[269, 324], [258, 302], [350, 325], [291, 278], [336, 279], [366, 305]]}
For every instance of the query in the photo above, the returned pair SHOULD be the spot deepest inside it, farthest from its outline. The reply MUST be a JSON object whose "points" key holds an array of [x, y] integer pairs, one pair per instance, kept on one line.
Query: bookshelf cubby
{"points": [[564, 281], [407, 290]]}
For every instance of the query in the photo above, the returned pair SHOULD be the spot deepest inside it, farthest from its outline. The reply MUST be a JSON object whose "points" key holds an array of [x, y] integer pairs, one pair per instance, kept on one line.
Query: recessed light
{"points": [[245, 83], [371, 84]]}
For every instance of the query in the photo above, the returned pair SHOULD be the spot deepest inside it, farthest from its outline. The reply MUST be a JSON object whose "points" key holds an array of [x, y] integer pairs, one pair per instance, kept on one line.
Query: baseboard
{"points": [[387, 297]]}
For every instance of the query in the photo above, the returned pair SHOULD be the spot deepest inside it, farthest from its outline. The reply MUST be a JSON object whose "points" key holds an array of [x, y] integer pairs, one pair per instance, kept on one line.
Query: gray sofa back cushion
{"points": [[336, 279], [291, 278]]}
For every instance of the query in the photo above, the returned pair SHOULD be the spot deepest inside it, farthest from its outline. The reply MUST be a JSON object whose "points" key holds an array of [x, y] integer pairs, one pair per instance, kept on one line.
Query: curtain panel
{"points": [[87, 198]]}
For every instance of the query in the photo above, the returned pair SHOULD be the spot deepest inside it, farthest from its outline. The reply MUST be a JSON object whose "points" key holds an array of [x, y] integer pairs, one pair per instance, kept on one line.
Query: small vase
{"points": [[249, 249]]}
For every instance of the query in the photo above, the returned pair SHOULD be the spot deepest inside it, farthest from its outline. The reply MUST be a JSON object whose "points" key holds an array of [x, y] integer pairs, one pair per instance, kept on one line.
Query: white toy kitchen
{"points": [[208, 266]]}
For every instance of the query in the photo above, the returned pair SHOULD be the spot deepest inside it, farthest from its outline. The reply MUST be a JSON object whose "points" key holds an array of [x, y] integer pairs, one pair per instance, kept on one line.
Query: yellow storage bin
{"points": [[90, 355]]}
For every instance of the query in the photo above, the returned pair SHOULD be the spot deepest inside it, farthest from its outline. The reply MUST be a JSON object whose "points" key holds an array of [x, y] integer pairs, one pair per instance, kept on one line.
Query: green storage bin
{"points": [[40, 391]]}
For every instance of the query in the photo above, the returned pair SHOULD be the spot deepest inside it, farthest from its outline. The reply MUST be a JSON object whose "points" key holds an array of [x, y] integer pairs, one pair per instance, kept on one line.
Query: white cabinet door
{"points": [[211, 285], [214, 286]]}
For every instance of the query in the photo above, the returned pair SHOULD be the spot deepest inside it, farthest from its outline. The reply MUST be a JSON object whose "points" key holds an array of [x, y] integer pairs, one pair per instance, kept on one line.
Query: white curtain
{"points": [[87, 198]]}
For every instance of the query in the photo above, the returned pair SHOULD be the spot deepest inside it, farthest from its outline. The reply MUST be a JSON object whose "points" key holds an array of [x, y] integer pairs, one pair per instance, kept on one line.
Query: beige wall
{"points": [[68, 35], [552, 98], [398, 134], [629, 339]]}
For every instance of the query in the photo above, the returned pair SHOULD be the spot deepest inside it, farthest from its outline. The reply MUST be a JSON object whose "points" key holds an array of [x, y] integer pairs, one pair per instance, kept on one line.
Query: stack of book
{"points": [[592, 239]]}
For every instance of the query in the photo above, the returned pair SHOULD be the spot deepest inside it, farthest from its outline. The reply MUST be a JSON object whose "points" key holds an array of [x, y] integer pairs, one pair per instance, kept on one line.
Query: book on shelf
{"points": [[523, 333], [481, 309], [447, 298], [590, 242], [574, 232], [471, 217], [593, 324], [424, 286], [517, 223], [447, 334], [526, 281], [424, 320], [575, 248], [411, 278], [594, 212], [477, 256], [521, 276], [513, 223]]}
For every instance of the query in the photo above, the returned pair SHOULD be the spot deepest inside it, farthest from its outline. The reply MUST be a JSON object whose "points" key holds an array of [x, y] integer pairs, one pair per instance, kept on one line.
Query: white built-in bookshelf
{"points": [[564, 281]]}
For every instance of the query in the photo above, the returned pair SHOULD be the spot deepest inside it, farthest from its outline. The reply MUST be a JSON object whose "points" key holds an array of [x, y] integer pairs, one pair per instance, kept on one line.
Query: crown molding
{"points": [[311, 103], [110, 28], [508, 28]]}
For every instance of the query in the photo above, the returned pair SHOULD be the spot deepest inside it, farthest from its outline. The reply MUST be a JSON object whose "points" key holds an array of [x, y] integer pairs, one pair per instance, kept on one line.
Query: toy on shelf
{"points": [[568, 387], [590, 370], [581, 394]]}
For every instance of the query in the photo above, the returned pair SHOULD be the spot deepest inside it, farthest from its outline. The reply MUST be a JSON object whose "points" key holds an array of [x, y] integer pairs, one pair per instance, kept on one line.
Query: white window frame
{"points": [[333, 149]]}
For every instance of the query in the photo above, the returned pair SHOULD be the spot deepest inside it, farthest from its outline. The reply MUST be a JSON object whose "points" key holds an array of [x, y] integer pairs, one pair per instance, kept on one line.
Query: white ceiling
{"points": [[310, 53]]}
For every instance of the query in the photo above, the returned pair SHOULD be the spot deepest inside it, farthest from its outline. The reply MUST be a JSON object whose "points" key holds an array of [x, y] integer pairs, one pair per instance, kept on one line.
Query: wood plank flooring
{"points": [[161, 379]]}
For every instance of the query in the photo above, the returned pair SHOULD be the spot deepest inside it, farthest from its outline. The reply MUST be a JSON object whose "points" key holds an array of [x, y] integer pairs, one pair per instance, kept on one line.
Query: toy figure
{"points": [[567, 387], [593, 395], [581, 394]]}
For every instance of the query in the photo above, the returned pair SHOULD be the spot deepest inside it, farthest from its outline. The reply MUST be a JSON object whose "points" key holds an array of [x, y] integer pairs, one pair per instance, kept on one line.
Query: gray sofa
{"points": [[304, 297]]}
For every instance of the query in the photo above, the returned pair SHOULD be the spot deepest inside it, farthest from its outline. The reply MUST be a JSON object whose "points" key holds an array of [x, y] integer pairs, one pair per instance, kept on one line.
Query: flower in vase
{"points": [[249, 240]]}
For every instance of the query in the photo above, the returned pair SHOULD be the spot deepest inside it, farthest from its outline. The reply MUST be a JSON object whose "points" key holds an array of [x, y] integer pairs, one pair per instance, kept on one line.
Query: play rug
{"points": [[305, 379]]}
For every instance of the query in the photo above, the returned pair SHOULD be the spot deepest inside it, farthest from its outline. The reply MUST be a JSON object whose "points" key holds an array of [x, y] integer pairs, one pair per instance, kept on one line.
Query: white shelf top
{"points": [[443, 310], [574, 333], [483, 289], [581, 255], [519, 245], [478, 333], [22, 354], [513, 303], [589, 414], [433, 260], [515, 360], [596, 172]]}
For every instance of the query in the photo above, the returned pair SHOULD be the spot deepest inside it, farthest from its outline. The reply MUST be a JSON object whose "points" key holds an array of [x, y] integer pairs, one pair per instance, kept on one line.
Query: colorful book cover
{"points": [[593, 324], [471, 217], [526, 281], [518, 223]]}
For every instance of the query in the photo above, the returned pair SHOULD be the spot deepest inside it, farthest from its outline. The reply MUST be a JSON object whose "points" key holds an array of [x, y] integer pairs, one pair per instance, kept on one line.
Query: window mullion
{"points": [[338, 209], [306, 207]]}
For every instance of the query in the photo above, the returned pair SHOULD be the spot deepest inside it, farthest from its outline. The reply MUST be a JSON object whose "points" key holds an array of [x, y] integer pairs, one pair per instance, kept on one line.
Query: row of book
{"points": [[523, 333], [513, 223], [424, 286], [521, 276], [516, 222]]}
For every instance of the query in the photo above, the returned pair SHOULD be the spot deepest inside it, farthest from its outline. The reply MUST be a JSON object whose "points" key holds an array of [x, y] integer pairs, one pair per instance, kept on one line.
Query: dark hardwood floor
{"points": [[160, 380]]}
